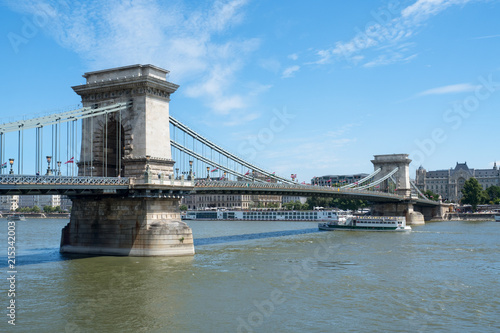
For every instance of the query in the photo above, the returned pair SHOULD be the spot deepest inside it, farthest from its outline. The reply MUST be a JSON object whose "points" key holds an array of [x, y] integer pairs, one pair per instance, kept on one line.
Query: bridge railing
{"points": [[300, 187], [161, 181], [62, 180]]}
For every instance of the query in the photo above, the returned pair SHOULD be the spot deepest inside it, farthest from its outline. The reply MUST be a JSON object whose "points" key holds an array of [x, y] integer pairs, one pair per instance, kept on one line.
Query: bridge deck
{"points": [[27, 184]]}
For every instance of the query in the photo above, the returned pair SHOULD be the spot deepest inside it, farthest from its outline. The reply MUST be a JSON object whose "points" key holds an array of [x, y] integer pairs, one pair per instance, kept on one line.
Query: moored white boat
{"points": [[368, 223], [497, 218], [16, 217]]}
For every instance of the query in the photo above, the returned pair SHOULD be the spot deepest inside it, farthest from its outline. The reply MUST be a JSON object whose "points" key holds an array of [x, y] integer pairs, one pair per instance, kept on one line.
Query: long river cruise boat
{"points": [[257, 215], [368, 223]]}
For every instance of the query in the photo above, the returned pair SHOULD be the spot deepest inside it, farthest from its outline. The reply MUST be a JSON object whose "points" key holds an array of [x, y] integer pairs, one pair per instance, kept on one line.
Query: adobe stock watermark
{"points": [[374, 32], [454, 117], [292, 279], [250, 147], [31, 26]]}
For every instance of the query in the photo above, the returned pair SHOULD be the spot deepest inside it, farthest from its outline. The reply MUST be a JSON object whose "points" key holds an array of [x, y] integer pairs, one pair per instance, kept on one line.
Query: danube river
{"points": [[263, 277]]}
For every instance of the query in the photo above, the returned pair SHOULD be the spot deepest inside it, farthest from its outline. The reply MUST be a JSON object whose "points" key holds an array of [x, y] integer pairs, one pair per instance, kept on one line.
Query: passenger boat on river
{"points": [[263, 215], [368, 223]]}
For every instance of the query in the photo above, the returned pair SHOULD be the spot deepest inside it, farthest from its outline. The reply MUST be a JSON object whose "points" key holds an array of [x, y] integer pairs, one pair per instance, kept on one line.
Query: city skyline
{"points": [[307, 89]]}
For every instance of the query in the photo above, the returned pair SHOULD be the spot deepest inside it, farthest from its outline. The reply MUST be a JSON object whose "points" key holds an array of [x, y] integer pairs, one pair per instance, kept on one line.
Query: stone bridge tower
{"points": [[388, 163], [143, 220], [116, 144]]}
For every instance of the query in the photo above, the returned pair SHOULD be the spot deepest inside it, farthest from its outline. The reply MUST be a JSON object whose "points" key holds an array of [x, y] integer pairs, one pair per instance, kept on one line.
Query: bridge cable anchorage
{"points": [[224, 152], [359, 182], [375, 183]]}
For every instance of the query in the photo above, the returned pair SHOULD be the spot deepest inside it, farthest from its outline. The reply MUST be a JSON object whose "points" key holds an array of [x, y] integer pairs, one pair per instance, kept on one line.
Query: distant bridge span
{"points": [[301, 190]]}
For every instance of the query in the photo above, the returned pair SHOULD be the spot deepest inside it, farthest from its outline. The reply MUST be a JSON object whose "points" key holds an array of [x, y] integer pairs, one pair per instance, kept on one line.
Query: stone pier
{"points": [[405, 209], [126, 227], [133, 143]]}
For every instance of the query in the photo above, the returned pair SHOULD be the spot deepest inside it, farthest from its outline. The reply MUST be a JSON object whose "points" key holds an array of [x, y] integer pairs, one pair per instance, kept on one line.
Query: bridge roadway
{"points": [[204, 187], [81, 185]]}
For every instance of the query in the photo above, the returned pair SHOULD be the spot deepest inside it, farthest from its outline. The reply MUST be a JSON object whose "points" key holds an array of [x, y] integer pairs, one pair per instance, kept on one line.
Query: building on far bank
{"points": [[9, 203], [449, 183], [340, 180], [13, 202], [230, 201], [288, 198], [39, 200]]}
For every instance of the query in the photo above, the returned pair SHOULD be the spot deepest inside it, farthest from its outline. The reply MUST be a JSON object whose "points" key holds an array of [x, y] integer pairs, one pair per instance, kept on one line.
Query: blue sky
{"points": [[311, 88]]}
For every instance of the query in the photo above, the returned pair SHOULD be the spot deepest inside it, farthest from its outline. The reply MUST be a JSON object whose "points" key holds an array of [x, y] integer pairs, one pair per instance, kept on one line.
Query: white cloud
{"points": [[289, 72], [177, 36], [487, 37], [451, 89], [293, 56], [385, 38], [387, 59]]}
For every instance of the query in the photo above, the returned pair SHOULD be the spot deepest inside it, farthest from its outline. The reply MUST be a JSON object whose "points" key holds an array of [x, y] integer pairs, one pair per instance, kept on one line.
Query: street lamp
{"points": [[11, 161], [49, 172], [147, 173], [177, 173], [58, 168], [190, 176], [208, 173]]}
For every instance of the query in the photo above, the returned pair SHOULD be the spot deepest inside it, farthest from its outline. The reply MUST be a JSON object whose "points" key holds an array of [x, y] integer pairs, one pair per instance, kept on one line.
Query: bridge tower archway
{"points": [[114, 149]]}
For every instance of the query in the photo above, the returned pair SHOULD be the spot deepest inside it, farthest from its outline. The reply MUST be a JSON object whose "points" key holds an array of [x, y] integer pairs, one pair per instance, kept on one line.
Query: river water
{"points": [[263, 277]]}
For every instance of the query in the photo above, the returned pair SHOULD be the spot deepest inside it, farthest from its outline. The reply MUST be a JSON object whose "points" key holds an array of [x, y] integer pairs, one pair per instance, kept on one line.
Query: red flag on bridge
{"points": [[71, 160]]}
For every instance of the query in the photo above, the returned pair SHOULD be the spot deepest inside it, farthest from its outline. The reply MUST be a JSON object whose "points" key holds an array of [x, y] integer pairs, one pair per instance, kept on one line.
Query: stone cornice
{"points": [[139, 85], [143, 159]]}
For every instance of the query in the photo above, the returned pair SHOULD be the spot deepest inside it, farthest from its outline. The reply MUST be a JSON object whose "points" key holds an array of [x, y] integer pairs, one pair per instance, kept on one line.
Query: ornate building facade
{"points": [[449, 183]]}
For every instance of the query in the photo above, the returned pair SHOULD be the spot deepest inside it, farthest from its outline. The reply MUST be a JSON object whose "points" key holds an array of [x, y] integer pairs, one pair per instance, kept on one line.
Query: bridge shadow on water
{"points": [[245, 237], [51, 254]]}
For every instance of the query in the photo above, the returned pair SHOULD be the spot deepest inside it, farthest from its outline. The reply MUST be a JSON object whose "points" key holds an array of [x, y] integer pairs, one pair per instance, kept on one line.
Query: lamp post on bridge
{"points": [[190, 176], [147, 173], [58, 168], [49, 171], [177, 173], [208, 173], [11, 162]]}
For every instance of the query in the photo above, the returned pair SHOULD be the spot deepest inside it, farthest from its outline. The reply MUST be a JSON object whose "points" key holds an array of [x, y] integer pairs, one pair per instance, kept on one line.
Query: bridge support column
{"points": [[126, 227], [399, 209]]}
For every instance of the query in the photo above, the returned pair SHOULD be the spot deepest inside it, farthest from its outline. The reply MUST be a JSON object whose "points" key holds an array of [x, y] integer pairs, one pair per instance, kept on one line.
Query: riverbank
{"points": [[38, 215], [469, 217]]}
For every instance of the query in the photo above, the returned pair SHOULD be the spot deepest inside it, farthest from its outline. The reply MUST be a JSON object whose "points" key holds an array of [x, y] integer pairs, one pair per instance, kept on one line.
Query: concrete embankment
{"points": [[469, 217]]}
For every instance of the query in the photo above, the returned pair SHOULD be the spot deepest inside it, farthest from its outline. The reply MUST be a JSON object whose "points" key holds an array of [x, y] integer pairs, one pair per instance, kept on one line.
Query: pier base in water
{"points": [[126, 227], [399, 209]]}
